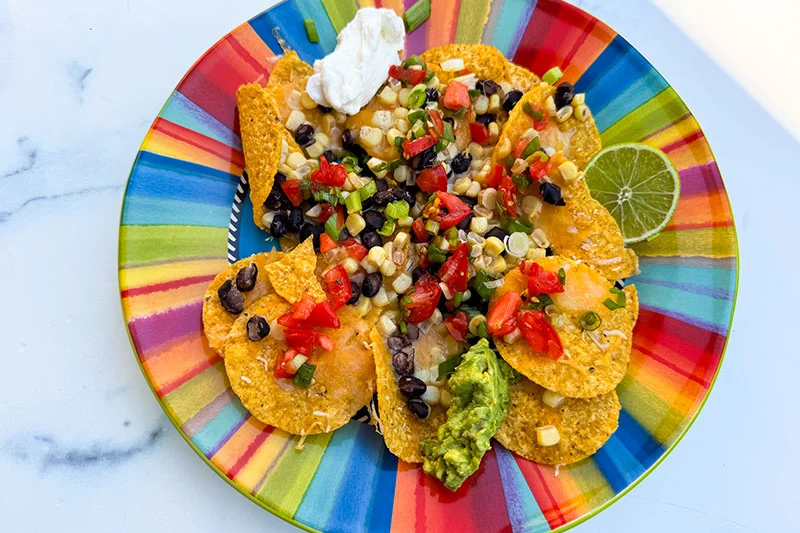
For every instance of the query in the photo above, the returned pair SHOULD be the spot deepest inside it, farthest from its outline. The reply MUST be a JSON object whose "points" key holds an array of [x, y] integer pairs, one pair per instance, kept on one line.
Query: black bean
{"points": [[257, 328], [464, 224], [551, 193], [372, 284], [404, 195], [418, 273], [304, 135], [246, 278], [413, 332], [411, 387], [487, 87], [442, 305], [498, 232], [396, 343], [461, 162], [362, 415], [431, 95], [472, 202], [230, 298], [277, 199], [419, 408], [356, 288], [329, 156], [295, 220], [451, 121], [324, 108], [564, 95], [486, 118], [403, 363], [373, 219], [370, 239], [381, 198], [424, 159], [510, 100], [548, 251], [279, 228], [382, 185], [311, 229], [348, 138]]}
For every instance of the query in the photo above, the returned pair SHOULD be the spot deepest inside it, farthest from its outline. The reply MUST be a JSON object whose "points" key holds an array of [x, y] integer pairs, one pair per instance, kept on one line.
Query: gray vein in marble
{"points": [[78, 74], [47, 452], [30, 154], [5, 215]]}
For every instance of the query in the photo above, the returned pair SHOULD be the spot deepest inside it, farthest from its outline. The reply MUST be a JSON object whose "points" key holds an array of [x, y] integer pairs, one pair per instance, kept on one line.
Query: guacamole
{"points": [[480, 398]]}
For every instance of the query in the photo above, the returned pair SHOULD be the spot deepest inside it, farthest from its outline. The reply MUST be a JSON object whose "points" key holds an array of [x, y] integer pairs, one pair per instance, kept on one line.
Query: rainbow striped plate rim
{"points": [[185, 213]]}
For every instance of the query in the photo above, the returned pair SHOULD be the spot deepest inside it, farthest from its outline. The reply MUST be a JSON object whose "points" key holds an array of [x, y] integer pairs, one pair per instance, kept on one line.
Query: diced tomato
{"points": [[412, 76], [326, 243], [412, 148], [302, 309], [418, 227], [540, 334], [424, 260], [508, 194], [479, 132], [539, 125], [454, 271], [329, 174], [457, 326], [494, 177], [287, 320], [424, 299], [323, 316], [519, 148], [456, 210], [436, 118], [339, 287], [354, 248], [433, 179], [324, 342], [502, 317], [292, 190], [326, 212], [539, 169], [541, 281], [280, 364], [456, 96], [299, 339]]}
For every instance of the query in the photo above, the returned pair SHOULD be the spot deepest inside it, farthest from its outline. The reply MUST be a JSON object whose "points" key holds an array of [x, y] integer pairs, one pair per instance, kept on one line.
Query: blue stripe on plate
{"points": [[182, 111], [628, 453], [290, 17]]}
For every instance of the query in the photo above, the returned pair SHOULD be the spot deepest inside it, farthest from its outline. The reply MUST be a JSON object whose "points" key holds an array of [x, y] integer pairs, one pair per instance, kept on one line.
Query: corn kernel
{"points": [[494, 133], [436, 317], [476, 150], [393, 134], [402, 126], [488, 198], [519, 166], [552, 399], [422, 374], [376, 256], [431, 395], [493, 246], [499, 265], [481, 104], [388, 247], [339, 116], [405, 222], [445, 398], [387, 96], [531, 206], [382, 118], [370, 136], [476, 164], [402, 173], [512, 337], [295, 120], [582, 112], [504, 148], [401, 240], [295, 160], [306, 101], [568, 171], [474, 189], [579, 99], [564, 113], [547, 436], [322, 138], [400, 112], [475, 322], [315, 150], [355, 224], [402, 283], [350, 265], [373, 164], [481, 211], [550, 105], [388, 268], [536, 253], [402, 96], [494, 102], [540, 238], [285, 169], [386, 325], [363, 305], [381, 299], [461, 185], [433, 83]]}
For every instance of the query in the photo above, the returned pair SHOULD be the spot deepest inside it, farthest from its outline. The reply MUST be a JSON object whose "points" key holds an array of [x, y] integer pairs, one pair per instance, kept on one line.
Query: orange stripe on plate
{"points": [[178, 361], [442, 23], [238, 448], [404, 514], [140, 276], [158, 302], [701, 210]]}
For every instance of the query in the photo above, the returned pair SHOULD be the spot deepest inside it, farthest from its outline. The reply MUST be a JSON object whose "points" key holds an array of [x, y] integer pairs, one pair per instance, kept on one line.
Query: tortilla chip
{"points": [[402, 430], [293, 276], [582, 229], [344, 380], [585, 370], [291, 73], [521, 78], [261, 141], [584, 425], [217, 321], [486, 62]]}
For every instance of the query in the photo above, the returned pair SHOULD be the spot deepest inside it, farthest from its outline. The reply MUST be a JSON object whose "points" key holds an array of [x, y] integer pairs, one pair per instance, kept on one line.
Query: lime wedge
{"points": [[638, 185]]}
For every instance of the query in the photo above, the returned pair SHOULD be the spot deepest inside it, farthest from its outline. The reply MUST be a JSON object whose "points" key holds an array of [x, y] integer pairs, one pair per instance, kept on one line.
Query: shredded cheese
{"points": [[614, 332], [596, 339], [609, 261], [264, 362], [321, 413], [246, 379], [573, 364]]}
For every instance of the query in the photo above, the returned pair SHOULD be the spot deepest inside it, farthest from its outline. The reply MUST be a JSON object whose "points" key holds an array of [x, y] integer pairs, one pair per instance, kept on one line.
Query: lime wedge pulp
{"points": [[638, 185]]}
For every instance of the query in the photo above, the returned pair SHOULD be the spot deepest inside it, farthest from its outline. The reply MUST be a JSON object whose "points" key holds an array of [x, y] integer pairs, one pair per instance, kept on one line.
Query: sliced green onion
{"points": [[552, 76], [428, 76], [418, 130], [304, 375], [532, 147], [474, 93], [480, 285], [518, 225], [414, 61], [332, 227], [333, 197], [535, 114], [620, 301], [387, 229], [522, 181], [398, 141], [436, 254], [350, 163], [417, 96], [311, 30], [460, 113], [451, 235], [417, 114], [416, 15], [457, 297], [449, 366], [562, 276], [367, 190], [448, 134], [353, 203], [403, 327], [397, 210], [518, 244], [388, 166], [544, 301], [432, 226], [509, 160], [481, 330], [590, 321]]}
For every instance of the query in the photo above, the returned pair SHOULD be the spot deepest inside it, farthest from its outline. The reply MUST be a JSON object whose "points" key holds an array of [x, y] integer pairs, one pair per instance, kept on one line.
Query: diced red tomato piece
{"points": [[456, 96], [326, 243], [327, 211], [508, 194], [323, 316], [457, 326], [479, 132], [300, 339], [354, 249], [539, 169], [436, 118], [412, 148], [494, 177], [541, 281], [418, 227], [287, 320], [280, 364], [539, 125], [454, 272], [302, 309], [329, 174], [292, 190], [519, 148], [502, 317], [424, 299], [432, 179], [324, 342], [339, 288], [456, 210], [540, 334], [411, 75]]}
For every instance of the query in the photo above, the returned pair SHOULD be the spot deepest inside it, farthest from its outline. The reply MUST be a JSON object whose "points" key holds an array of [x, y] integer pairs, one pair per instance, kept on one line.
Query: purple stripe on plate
{"points": [[153, 331]]}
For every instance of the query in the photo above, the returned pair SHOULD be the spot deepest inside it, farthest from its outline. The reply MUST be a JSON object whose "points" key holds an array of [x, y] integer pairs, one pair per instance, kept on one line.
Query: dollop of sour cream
{"points": [[349, 77]]}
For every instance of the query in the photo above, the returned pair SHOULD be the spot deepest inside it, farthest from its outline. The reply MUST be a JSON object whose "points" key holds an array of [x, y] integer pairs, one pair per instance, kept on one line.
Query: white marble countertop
{"points": [[84, 445]]}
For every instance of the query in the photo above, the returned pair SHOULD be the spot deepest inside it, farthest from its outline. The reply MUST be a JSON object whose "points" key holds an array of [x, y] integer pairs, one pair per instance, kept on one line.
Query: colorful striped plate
{"points": [[185, 216]]}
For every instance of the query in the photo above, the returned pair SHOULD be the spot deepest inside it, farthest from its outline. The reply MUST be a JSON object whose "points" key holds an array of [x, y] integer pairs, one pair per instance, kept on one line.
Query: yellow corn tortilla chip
{"points": [[585, 370], [217, 321], [261, 141], [291, 73], [582, 229], [344, 380], [521, 78], [486, 62], [402, 430], [293, 275], [584, 425]]}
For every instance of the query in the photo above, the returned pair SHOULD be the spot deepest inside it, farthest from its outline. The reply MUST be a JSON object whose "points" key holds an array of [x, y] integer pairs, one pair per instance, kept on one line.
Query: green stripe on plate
{"points": [[150, 244], [472, 17], [657, 113], [340, 12]]}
